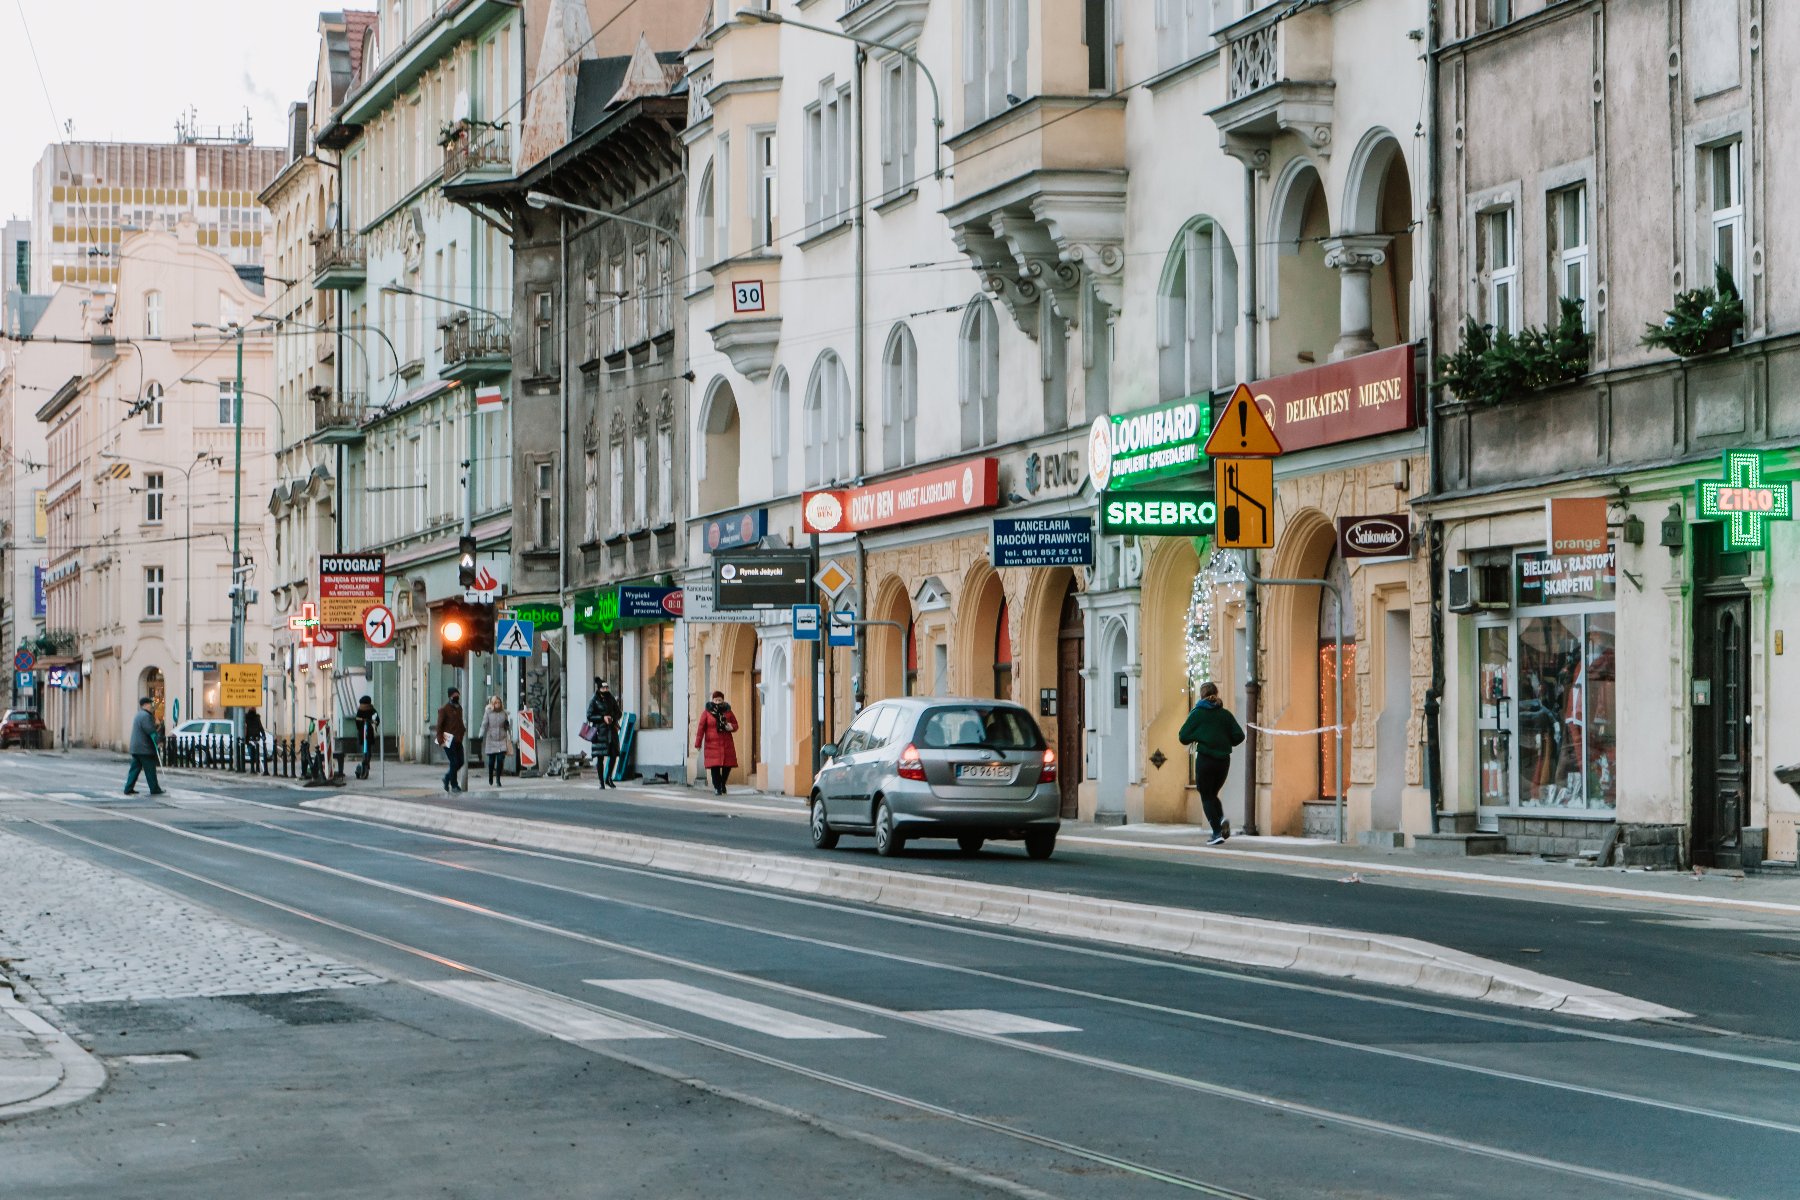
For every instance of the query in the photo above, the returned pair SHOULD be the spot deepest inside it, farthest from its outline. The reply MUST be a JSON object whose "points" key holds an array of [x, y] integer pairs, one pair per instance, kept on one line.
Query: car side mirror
{"points": [[829, 750]]}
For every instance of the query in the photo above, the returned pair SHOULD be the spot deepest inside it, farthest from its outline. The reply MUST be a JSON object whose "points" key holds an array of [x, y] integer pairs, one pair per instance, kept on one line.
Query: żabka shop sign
{"points": [[944, 492], [1127, 450], [1359, 397]]}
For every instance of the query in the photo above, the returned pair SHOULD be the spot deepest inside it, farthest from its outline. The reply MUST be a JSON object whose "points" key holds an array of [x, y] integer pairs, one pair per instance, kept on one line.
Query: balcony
{"points": [[1040, 204], [1278, 80], [896, 22], [476, 153], [338, 418], [339, 262], [476, 347]]}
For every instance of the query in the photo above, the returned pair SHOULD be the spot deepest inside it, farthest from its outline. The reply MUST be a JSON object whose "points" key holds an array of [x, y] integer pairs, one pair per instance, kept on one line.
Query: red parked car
{"points": [[22, 727]]}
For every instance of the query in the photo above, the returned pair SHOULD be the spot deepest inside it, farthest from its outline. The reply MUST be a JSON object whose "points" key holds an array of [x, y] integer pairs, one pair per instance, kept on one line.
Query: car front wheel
{"points": [[824, 837], [888, 840]]}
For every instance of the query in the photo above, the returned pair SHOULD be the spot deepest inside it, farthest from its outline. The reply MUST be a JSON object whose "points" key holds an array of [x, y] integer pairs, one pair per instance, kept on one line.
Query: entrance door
{"points": [[1721, 706], [1070, 705]]}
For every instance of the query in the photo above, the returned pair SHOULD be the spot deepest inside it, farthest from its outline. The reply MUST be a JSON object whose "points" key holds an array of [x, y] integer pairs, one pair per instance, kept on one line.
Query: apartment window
{"points": [[153, 314], [153, 405], [780, 435], [978, 374], [665, 286], [705, 220], [153, 592], [153, 497], [1569, 242], [1198, 309], [665, 474], [1500, 240], [900, 399], [830, 433], [615, 511], [415, 318], [543, 334], [899, 124], [995, 48], [590, 497], [764, 189], [828, 157], [640, 470], [615, 317], [722, 199], [640, 294], [590, 308], [227, 410], [1097, 36], [1499, 12], [1728, 208], [543, 504]]}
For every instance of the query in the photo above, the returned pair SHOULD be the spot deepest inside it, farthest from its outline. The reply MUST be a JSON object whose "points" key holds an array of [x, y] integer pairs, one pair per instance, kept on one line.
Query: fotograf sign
{"points": [[1134, 448], [761, 579], [349, 585], [1043, 542], [1381, 536], [1168, 514]]}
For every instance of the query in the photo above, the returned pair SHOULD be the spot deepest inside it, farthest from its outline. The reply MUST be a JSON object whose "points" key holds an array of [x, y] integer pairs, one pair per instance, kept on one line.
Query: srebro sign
{"points": [[1172, 514], [1133, 448]]}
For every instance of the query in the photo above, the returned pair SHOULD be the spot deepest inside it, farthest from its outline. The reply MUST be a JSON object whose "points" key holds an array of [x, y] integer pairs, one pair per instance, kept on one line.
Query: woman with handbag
{"points": [[715, 743], [496, 738], [602, 730]]}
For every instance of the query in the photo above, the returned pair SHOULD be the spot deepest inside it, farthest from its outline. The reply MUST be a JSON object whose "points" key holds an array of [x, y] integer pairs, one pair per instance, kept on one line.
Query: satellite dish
{"points": [[331, 217]]}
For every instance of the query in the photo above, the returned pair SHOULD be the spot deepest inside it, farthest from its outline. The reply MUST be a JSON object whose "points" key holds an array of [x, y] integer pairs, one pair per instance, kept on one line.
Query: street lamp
{"points": [[763, 16], [400, 289], [545, 200], [187, 589], [280, 425]]}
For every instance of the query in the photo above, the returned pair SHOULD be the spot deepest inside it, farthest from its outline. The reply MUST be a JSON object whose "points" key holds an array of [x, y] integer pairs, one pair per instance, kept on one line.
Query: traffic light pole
{"points": [[237, 527]]}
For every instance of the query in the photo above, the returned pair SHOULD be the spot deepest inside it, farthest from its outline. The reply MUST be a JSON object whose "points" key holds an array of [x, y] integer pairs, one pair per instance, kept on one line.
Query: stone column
{"points": [[1353, 257]]}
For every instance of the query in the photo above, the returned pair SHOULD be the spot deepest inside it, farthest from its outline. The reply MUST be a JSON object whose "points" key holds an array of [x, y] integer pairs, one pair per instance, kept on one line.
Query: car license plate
{"points": [[985, 772]]}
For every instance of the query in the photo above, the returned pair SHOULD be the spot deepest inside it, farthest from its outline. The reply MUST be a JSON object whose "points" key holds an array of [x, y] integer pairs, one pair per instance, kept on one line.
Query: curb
{"points": [[1247, 941], [79, 1073]]}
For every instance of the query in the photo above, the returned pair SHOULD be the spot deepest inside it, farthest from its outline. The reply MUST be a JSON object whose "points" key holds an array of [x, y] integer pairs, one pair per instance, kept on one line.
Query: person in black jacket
{"points": [[603, 714], [368, 728], [1212, 731], [253, 739]]}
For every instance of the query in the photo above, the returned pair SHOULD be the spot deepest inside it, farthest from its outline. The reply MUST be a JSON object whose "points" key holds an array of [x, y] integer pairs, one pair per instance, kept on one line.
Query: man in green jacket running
{"points": [[1212, 731]]}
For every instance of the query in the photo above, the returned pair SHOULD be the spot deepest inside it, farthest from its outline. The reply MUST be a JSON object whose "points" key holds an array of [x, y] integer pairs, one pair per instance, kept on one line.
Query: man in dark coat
{"points": [[143, 749], [603, 714], [451, 732], [1212, 731]]}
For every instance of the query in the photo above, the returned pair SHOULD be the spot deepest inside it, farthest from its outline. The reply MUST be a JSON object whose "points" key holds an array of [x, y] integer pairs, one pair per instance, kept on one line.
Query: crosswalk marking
{"points": [[745, 1014], [987, 1020], [562, 1019]]}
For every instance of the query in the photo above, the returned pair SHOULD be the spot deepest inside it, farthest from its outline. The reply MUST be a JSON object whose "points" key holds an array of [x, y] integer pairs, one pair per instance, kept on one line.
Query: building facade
{"points": [[1620, 683]]}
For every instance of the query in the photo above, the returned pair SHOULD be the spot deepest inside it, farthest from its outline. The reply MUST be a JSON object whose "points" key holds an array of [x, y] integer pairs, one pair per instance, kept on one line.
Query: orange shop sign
{"points": [[1577, 524]]}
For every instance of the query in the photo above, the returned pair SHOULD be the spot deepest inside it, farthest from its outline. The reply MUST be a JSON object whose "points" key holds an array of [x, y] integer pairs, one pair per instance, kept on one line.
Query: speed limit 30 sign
{"points": [[747, 296]]}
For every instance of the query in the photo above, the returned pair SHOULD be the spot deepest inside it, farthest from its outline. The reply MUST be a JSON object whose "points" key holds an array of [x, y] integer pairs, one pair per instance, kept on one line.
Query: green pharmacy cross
{"points": [[1745, 501]]}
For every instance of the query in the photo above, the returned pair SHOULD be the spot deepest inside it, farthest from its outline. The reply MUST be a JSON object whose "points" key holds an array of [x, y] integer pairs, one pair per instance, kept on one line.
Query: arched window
{"points": [[704, 251], [1197, 313], [830, 430], [978, 374], [900, 399], [780, 435], [719, 430]]}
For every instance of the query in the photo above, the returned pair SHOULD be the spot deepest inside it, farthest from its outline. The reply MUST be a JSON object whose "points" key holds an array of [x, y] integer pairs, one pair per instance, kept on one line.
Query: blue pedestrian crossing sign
{"points": [[514, 638]]}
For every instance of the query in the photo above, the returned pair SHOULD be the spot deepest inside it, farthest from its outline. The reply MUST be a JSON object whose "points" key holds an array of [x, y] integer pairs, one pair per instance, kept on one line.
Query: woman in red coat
{"points": [[714, 741]]}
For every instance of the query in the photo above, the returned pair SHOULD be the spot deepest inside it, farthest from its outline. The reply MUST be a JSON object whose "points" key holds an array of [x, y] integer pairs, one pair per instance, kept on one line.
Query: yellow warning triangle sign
{"points": [[1242, 430]]}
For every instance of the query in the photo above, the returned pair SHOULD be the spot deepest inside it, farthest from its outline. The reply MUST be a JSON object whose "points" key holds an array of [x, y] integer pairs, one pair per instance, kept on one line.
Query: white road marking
{"points": [[745, 1014], [987, 1020], [561, 1019]]}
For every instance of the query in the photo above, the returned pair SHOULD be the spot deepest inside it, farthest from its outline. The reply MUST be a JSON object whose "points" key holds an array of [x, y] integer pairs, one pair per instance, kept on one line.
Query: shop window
{"points": [[656, 699], [1003, 656], [1328, 712]]}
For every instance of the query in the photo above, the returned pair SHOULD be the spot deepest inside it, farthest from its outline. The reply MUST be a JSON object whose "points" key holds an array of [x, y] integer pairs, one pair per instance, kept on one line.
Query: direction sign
{"points": [[514, 639], [240, 685], [833, 579], [378, 625], [24, 660], [1242, 430], [806, 622], [1245, 491], [843, 628]]}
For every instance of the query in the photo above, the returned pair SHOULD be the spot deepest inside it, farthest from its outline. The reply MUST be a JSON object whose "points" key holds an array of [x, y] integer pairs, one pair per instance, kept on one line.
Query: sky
{"points": [[127, 70]]}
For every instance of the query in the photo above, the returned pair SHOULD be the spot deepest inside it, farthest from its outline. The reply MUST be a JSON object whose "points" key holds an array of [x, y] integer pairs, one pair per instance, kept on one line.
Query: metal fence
{"points": [[285, 758]]}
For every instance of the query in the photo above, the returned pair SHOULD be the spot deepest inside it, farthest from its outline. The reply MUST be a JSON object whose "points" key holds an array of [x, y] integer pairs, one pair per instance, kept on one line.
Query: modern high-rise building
{"points": [[86, 196]]}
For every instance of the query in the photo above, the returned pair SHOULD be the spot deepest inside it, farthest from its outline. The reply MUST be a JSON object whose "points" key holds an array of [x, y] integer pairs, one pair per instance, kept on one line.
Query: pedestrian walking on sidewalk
{"points": [[143, 749], [496, 738], [1212, 731], [450, 733], [368, 728], [603, 715], [253, 739], [713, 739]]}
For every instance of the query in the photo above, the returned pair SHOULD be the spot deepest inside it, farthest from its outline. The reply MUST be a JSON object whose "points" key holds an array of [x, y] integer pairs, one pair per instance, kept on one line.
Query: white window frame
{"points": [[1569, 216], [706, 219], [153, 405], [996, 55], [781, 402], [722, 198], [900, 399], [543, 334], [978, 374], [765, 187], [640, 470], [665, 474], [153, 497], [543, 503], [1500, 242], [1197, 335], [590, 497], [1727, 219], [640, 293], [155, 584], [153, 314], [227, 412], [899, 123], [615, 511]]}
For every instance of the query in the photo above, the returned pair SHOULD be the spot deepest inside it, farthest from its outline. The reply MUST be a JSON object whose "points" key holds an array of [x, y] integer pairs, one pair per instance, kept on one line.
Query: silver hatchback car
{"points": [[936, 766]]}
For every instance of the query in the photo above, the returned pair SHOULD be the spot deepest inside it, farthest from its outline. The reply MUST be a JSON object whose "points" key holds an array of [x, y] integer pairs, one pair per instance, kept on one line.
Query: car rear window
{"points": [[986, 728], [20, 714]]}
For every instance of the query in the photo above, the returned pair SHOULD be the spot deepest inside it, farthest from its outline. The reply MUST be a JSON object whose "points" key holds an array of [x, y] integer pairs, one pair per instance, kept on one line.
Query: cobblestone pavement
{"points": [[83, 933]]}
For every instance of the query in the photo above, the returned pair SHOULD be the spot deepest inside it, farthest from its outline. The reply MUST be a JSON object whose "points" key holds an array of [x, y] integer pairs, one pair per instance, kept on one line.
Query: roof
{"points": [[599, 86], [356, 25]]}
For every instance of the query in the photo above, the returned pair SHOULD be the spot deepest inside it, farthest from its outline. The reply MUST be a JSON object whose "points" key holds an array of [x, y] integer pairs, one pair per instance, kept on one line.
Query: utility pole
{"points": [[237, 525]]}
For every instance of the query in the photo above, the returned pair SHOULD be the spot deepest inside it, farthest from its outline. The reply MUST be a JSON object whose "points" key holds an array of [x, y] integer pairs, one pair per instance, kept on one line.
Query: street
{"points": [[482, 1021]]}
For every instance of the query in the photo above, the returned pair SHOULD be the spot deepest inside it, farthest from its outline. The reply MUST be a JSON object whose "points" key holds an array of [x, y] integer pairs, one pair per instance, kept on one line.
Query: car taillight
{"points": [[1048, 774], [910, 765]]}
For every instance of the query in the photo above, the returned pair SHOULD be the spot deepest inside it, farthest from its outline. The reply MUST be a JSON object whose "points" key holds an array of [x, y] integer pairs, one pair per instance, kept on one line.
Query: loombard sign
{"points": [[1124, 451]]}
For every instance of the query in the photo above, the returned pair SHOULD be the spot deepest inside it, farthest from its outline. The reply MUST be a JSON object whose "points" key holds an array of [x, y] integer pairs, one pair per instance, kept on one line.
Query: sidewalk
{"points": [[41, 1067], [1775, 893]]}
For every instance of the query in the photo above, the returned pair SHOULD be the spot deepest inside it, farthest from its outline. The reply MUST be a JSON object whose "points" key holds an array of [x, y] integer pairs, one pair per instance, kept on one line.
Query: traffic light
{"points": [[465, 561], [482, 622], [455, 632]]}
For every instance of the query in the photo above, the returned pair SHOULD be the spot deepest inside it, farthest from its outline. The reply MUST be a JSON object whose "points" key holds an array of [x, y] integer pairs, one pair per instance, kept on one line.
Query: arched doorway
{"points": [[891, 655], [981, 636], [1331, 673], [777, 701], [1303, 298], [1112, 720], [719, 428], [1071, 700], [737, 678], [152, 684], [1295, 615]]}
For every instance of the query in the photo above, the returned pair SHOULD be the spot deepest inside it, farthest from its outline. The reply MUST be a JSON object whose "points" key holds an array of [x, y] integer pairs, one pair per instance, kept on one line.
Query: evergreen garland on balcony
{"points": [[1703, 319], [1491, 367]]}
